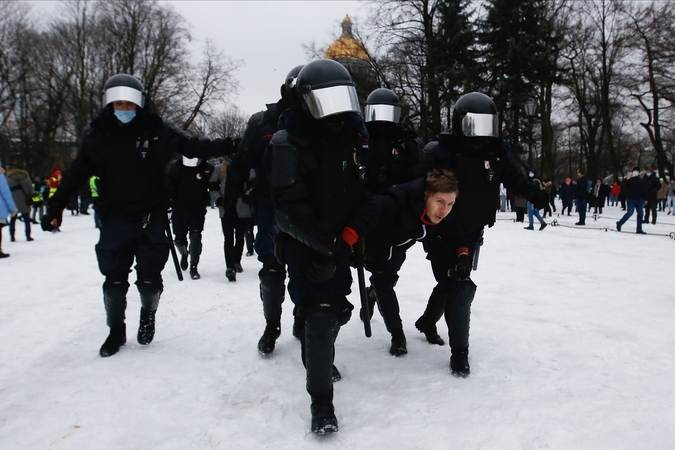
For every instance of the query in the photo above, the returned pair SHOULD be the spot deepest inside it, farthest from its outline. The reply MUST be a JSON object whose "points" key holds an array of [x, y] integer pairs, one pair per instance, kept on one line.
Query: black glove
{"points": [[51, 220], [342, 252], [539, 199], [321, 270], [462, 268]]}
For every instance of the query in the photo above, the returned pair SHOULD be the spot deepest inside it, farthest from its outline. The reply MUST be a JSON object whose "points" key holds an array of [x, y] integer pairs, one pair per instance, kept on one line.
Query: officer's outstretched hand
{"points": [[462, 268], [539, 199], [51, 220]]}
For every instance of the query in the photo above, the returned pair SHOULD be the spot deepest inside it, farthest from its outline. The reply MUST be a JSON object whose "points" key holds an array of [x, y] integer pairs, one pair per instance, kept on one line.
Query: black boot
{"points": [[193, 273], [146, 328], [323, 414], [231, 274], [372, 297], [116, 339], [429, 330], [459, 362], [298, 327], [268, 340], [398, 344], [182, 249]]}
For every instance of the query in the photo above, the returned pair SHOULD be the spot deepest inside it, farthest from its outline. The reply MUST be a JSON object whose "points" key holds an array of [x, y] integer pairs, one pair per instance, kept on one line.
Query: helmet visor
{"points": [[332, 100], [383, 113], [480, 125], [123, 93], [190, 162]]}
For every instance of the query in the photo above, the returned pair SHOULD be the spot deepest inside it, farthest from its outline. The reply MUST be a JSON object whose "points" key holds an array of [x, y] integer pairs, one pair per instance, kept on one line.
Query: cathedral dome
{"points": [[346, 46]]}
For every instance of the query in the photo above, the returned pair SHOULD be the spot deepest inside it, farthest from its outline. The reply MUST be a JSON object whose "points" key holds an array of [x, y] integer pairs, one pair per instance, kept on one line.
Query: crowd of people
{"points": [[315, 186]]}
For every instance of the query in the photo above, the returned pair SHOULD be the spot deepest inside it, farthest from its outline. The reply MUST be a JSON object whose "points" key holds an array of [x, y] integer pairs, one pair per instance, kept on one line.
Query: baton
{"points": [[477, 252], [174, 256], [360, 258]]}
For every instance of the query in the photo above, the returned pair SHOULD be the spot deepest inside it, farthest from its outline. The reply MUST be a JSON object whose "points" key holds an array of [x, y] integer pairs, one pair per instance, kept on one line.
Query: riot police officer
{"points": [[316, 186], [189, 180], [128, 146], [393, 154], [261, 126], [481, 161]]}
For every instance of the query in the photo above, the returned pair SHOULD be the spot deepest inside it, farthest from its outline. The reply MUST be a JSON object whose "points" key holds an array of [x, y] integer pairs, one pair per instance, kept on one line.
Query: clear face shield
{"points": [[383, 113], [484, 125], [123, 93], [332, 100]]}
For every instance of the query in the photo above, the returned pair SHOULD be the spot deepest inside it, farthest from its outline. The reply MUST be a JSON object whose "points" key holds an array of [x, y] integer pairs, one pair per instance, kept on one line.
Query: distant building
{"points": [[351, 53]]}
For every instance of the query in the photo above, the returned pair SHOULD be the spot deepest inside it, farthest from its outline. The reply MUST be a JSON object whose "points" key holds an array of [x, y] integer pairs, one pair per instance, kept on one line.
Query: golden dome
{"points": [[346, 46]]}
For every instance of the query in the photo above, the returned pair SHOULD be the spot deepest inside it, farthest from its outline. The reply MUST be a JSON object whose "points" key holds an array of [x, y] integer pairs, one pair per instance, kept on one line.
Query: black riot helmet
{"points": [[325, 88], [475, 115], [289, 83], [123, 87], [382, 105]]}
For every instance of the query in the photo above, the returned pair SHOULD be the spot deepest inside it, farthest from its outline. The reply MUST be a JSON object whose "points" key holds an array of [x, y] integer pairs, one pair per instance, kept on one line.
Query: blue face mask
{"points": [[648, 174], [125, 116]]}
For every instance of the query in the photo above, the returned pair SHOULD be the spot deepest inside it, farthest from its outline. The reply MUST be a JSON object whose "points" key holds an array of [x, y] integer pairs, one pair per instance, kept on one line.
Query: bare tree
{"points": [[652, 76], [212, 80]]}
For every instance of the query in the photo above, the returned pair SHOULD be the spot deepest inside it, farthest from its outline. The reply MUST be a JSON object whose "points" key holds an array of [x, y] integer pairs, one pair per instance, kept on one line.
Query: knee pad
{"points": [[272, 268], [462, 292], [336, 305]]}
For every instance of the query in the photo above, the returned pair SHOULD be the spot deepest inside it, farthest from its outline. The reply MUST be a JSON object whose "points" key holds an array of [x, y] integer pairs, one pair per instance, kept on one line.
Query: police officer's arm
{"points": [[192, 147], [81, 169], [518, 183]]}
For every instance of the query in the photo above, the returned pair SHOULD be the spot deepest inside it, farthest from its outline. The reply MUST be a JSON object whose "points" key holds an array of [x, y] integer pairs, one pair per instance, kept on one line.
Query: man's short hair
{"points": [[442, 181]]}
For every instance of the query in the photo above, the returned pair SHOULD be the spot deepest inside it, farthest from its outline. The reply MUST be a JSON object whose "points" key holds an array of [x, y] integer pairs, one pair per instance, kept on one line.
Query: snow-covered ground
{"points": [[572, 347]]}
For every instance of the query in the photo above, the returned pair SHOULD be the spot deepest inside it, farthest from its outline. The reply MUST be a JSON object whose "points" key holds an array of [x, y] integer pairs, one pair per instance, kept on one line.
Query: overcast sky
{"points": [[268, 36]]}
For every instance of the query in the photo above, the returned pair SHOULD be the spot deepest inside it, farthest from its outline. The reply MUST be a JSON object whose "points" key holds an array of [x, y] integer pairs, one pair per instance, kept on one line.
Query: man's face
{"points": [[568, 180], [439, 205], [122, 105]]}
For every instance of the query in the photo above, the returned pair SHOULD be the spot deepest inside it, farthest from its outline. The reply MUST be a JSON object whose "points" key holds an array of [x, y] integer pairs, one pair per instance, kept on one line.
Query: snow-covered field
{"points": [[572, 347]]}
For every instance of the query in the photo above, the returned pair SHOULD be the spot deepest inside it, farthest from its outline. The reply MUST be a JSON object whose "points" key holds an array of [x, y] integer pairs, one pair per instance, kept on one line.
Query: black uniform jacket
{"points": [[190, 185], [316, 178], [131, 161], [393, 154], [252, 155]]}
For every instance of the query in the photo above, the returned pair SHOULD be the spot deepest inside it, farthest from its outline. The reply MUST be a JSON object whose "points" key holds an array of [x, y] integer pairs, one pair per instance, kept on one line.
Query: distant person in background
{"points": [[520, 206], [580, 194], [533, 212], [7, 206], [566, 196], [22, 193], [38, 202], [670, 195], [635, 191], [600, 194], [502, 198], [652, 186], [661, 195], [552, 192], [85, 199], [614, 194]]}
